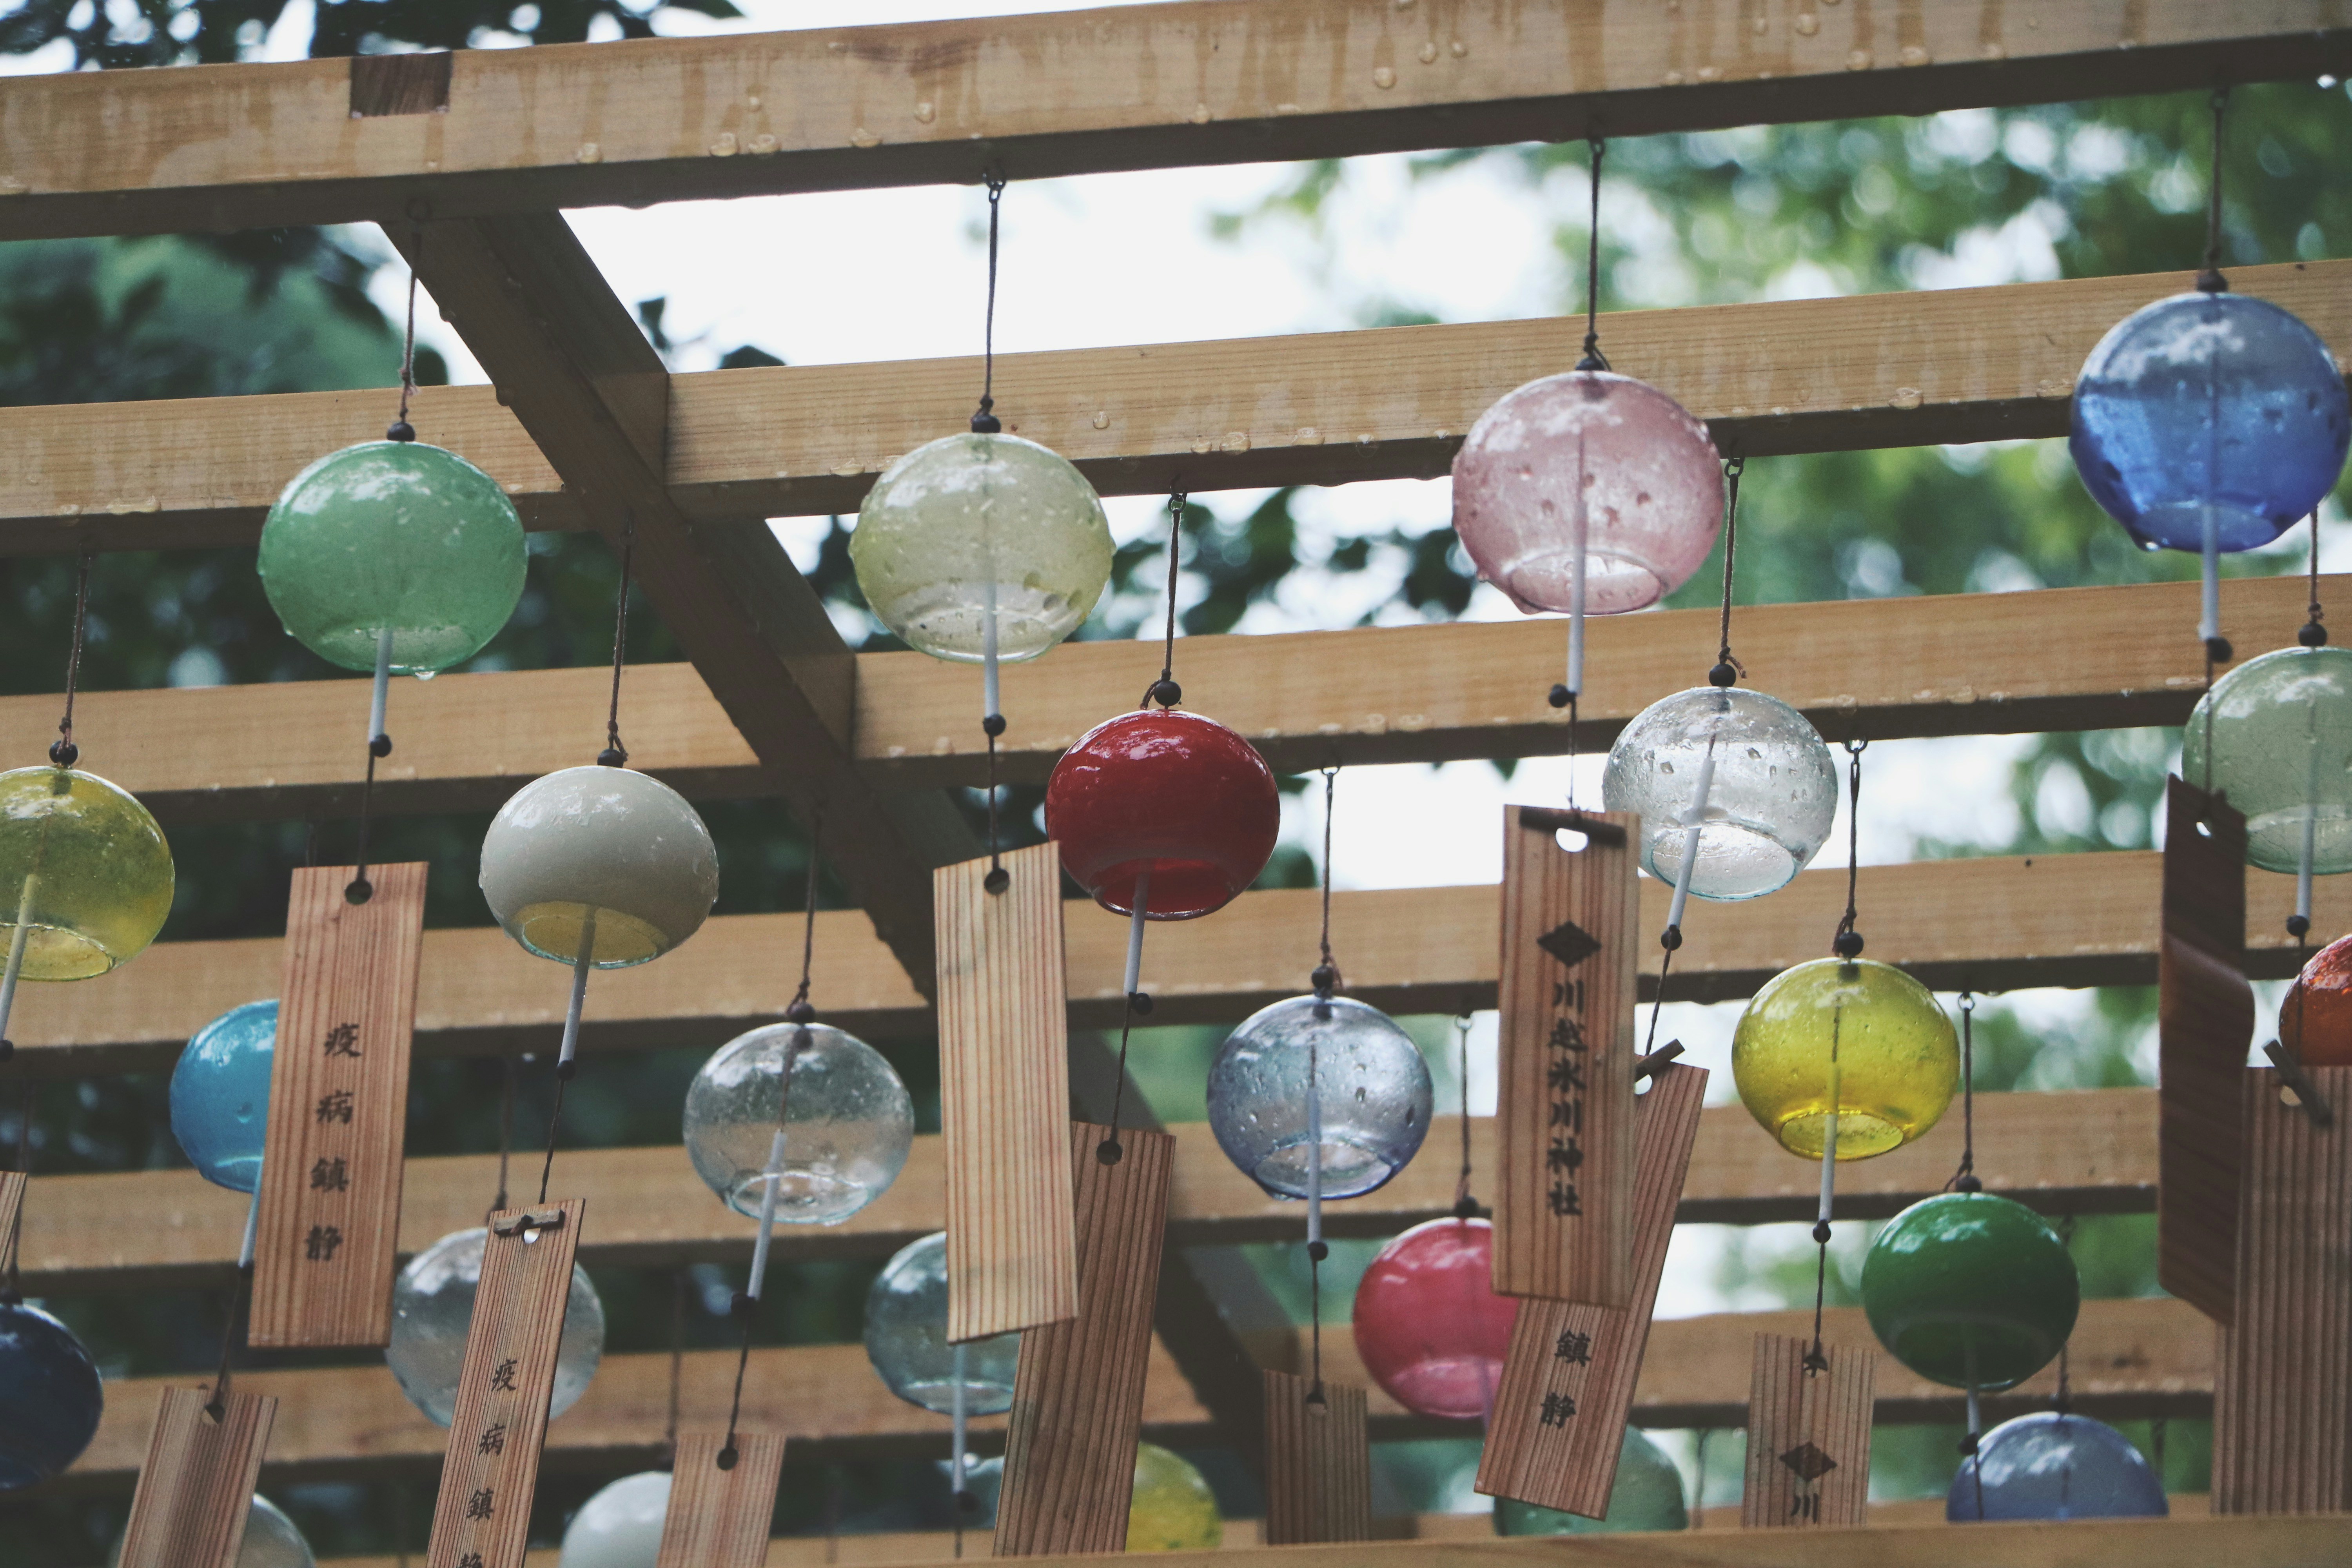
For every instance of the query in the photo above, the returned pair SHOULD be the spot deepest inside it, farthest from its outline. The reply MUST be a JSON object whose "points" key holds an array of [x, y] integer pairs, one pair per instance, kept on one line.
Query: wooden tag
{"points": [[1004, 1096], [2205, 1020], [1568, 1378], [331, 1169], [1077, 1398], [196, 1491], [2283, 1372], [491, 1470], [1807, 1435], [722, 1519], [1318, 1463], [12, 1210], [1564, 1112]]}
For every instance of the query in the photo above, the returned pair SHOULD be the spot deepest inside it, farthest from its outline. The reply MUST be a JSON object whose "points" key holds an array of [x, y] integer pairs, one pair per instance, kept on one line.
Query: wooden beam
{"points": [[1973, 664], [2131, 1359], [2078, 1151], [1995, 923], [592, 392], [1801, 375], [244, 146]]}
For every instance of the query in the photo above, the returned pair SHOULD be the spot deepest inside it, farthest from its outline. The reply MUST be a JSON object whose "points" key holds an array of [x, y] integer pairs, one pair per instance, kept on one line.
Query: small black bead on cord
{"points": [[1593, 358], [2208, 278], [1847, 943], [1727, 669], [1964, 1180], [985, 422], [614, 754], [1164, 691], [400, 428]]}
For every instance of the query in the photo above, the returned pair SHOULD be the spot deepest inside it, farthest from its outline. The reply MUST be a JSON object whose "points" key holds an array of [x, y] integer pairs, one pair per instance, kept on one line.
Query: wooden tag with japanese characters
{"points": [[491, 1471], [12, 1210], [2283, 1372], [1808, 1435], [1005, 1095], [720, 1518], [1077, 1397], [1318, 1462], [1564, 1111], [1568, 1379], [331, 1168], [2204, 1023], [196, 1491]]}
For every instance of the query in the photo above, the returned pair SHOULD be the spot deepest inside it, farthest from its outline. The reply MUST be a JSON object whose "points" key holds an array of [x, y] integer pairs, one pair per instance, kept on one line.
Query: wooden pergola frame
{"points": [[468, 159]]}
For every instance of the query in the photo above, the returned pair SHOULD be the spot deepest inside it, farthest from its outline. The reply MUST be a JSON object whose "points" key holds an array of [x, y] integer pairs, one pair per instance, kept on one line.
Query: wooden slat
{"points": [[571, 363], [1077, 1398], [490, 1472], [2131, 1360], [1990, 924], [2205, 1018], [196, 1491], [1318, 1462], [1886, 370], [1569, 1378], [2283, 1395], [1563, 1186], [329, 1218], [1807, 1435], [1004, 1096], [2072, 1151], [242, 146], [719, 1518], [1975, 663]]}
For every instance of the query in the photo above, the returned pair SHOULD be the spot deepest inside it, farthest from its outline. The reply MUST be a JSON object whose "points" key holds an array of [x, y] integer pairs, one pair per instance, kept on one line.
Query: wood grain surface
{"points": [[1077, 1398], [1807, 1435], [195, 1491], [490, 1471], [720, 1518], [332, 1167], [1318, 1462]]}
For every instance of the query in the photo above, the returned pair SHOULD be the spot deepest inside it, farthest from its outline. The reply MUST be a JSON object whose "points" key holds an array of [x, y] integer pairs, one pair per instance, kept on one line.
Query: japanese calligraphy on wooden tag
{"points": [[330, 1167], [1077, 1397], [1568, 1376], [719, 1517], [1318, 1463], [1564, 1111], [196, 1491], [1005, 1095], [2283, 1372], [491, 1470], [1808, 1435], [2205, 1021]]}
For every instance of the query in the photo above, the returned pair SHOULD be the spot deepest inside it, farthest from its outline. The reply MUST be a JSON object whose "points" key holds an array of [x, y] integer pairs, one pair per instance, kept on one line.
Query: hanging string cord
{"points": [[62, 751], [1109, 1151], [1816, 1359], [1314, 1394], [1668, 941], [2314, 633], [614, 754], [985, 422], [401, 429], [217, 1404], [555, 1120], [1164, 691], [677, 1359], [509, 1076], [1847, 943], [2209, 280], [1593, 358], [1465, 1206], [1727, 669], [2064, 1401], [1964, 1180], [1326, 977]]}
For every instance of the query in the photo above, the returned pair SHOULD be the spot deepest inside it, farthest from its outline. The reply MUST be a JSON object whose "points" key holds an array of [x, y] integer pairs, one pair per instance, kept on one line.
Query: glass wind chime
{"points": [[87, 876], [1429, 1327], [982, 548], [1587, 493], [1320, 1097], [907, 1341], [1161, 814], [798, 1124]]}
